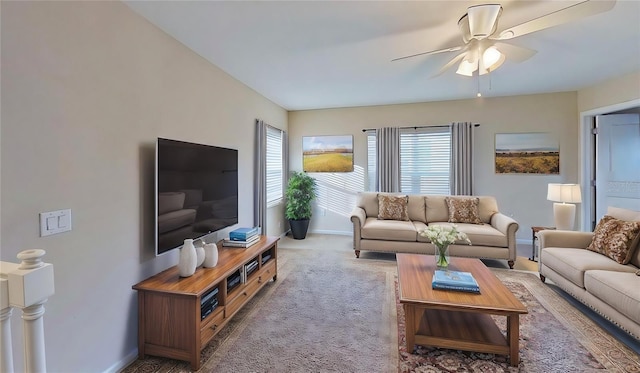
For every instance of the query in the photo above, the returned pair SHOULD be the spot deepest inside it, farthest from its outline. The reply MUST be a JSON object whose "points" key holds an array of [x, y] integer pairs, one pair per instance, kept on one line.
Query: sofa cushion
{"points": [[437, 210], [480, 234], [463, 210], [417, 208], [393, 207], [170, 201], [573, 263], [623, 214], [616, 238], [617, 289], [175, 219], [487, 207], [192, 198], [392, 230], [369, 202]]}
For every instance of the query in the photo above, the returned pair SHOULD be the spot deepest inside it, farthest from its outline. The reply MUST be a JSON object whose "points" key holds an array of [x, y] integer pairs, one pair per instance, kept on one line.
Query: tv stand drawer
{"points": [[211, 327]]}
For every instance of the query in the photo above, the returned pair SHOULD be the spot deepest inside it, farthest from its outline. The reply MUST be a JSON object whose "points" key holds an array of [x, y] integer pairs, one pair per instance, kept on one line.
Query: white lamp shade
{"points": [[467, 67], [566, 193], [491, 60]]}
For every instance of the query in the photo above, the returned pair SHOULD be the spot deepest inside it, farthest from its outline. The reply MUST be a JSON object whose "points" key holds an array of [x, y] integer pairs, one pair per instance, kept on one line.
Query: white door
{"points": [[617, 162]]}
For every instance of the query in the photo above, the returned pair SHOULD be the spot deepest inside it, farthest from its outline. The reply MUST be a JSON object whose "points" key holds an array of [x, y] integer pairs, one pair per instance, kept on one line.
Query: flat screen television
{"points": [[196, 191]]}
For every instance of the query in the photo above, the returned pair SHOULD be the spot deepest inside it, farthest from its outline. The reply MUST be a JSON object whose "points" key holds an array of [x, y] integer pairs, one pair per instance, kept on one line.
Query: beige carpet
{"points": [[331, 312], [338, 242]]}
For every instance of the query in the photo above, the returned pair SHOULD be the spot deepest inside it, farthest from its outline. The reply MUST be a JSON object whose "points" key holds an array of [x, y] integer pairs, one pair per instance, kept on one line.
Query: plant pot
{"points": [[299, 228]]}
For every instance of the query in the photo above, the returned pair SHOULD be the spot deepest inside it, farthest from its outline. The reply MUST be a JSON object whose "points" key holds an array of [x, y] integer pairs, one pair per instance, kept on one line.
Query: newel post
{"points": [[6, 352], [30, 285]]}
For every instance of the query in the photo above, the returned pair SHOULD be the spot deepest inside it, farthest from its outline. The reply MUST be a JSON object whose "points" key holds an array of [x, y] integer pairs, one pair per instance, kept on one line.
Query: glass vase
{"points": [[442, 256]]}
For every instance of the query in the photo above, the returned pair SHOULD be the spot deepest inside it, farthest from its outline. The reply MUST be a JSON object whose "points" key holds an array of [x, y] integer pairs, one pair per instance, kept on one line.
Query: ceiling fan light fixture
{"points": [[467, 68], [491, 56], [491, 59]]}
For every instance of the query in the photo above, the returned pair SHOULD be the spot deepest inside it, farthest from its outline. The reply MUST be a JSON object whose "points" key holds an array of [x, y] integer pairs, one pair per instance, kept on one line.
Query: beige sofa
{"points": [[493, 238], [606, 286]]}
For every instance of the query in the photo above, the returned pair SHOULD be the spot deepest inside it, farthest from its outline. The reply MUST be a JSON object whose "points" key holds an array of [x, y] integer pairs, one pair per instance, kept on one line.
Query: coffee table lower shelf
{"points": [[459, 330]]}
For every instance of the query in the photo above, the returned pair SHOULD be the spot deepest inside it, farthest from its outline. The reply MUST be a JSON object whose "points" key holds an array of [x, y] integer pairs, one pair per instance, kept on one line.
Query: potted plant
{"points": [[301, 190]]}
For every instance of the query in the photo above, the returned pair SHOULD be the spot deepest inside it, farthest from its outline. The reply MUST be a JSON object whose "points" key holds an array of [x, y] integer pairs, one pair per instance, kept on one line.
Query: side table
{"points": [[534, 231]]}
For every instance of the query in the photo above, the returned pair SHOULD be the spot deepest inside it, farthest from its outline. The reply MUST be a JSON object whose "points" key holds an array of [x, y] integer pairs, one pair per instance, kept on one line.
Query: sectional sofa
{"points": [[600, 269], [492, 234]]}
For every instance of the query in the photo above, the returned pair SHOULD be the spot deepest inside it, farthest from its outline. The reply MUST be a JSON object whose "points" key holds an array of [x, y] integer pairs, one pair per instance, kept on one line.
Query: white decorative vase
{"points": [[210, 255], [188, 259], [199, 255]]}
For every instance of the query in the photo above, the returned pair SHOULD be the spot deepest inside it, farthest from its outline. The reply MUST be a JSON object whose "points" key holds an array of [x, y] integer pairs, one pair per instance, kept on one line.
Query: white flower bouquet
{"points": [[443, 236]]}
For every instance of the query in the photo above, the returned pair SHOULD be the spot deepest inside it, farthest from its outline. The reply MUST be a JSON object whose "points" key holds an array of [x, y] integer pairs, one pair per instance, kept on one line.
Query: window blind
{"points": [[275, 177], [371, 162], [425, 160]]}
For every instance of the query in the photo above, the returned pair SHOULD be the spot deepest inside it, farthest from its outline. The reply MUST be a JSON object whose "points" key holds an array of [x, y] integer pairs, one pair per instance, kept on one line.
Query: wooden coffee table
{"points": [[453, 319]]}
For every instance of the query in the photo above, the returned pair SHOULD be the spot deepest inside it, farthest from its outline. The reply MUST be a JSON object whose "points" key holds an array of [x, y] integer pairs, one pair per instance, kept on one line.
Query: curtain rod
{"points": [[416, 127]]}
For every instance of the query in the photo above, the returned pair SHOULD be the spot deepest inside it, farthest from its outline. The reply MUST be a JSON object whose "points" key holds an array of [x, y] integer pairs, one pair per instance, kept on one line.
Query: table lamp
{"points": [[564, 213]]}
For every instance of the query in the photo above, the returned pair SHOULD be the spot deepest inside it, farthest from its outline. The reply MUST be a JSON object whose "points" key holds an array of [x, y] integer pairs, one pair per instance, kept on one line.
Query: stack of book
{"points": [[454, 280], [242, 237]]}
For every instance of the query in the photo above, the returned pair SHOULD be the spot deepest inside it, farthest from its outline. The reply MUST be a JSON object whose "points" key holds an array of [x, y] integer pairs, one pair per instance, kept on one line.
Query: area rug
{"points": [[327, 312], [554, 337], [331, 312]]}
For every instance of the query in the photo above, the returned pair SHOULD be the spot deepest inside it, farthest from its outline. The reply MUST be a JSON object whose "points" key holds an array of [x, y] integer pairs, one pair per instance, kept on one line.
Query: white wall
{"points": [[611, 92], [520, 196], [87, 87], [621, 93]]}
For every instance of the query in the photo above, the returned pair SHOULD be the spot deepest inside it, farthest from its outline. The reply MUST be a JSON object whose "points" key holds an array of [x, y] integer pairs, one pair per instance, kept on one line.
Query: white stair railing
{"points": [[27, 286]]}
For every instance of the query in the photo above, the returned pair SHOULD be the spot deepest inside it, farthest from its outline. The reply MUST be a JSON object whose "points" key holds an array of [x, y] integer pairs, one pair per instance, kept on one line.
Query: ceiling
{"points": [[325, 54]]}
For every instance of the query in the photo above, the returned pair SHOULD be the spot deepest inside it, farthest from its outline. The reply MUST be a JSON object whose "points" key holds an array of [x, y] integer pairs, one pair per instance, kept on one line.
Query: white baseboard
{"points": [[338, 233], [119, 365]]}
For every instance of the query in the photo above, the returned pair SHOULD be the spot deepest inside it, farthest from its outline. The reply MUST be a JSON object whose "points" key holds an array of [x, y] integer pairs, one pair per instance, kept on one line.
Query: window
{"points": [[425, 158], [275, 166], [371, 161]]}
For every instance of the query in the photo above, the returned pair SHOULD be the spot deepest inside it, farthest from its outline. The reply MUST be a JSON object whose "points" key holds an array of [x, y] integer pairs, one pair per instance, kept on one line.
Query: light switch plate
{"points": [[54, 222]]}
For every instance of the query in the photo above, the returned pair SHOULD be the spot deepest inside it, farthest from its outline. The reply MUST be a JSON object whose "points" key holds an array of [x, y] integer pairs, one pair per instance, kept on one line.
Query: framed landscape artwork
{"points": [[327, 153], [527, 153]]}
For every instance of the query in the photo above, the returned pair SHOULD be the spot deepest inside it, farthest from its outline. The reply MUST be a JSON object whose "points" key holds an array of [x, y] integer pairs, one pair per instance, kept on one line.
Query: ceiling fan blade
{"points": [[453, 61], [581, 10], [514, 52], [452, 49]]}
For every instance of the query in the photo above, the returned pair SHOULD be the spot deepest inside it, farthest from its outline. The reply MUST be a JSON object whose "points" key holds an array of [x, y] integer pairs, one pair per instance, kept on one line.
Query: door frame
{"points": [[587, 158]]}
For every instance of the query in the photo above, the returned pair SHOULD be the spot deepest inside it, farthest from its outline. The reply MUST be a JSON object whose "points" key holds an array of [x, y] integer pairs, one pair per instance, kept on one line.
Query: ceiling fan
{"points": [[485, 48]]}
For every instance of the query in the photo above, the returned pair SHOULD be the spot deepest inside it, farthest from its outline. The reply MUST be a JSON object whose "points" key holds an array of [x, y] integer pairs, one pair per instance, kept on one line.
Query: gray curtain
{"points": [[462, 158], [260, 177], [388, 159]]}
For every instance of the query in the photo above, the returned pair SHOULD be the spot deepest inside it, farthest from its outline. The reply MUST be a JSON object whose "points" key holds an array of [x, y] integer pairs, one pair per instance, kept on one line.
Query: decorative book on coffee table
{"points": [[454, 280]]}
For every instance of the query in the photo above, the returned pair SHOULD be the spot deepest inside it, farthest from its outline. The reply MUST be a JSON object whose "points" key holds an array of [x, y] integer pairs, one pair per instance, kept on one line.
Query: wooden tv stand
{"points": [[169, 308]]}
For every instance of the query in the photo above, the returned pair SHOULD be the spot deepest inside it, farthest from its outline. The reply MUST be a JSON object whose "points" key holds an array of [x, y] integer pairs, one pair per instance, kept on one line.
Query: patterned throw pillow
{"points": [[393, 207], [463, 210], [616, 238]]}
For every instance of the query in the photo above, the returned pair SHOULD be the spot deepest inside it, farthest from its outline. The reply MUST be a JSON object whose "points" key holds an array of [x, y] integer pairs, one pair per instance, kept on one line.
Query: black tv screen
{"points": [[196, 191]]}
